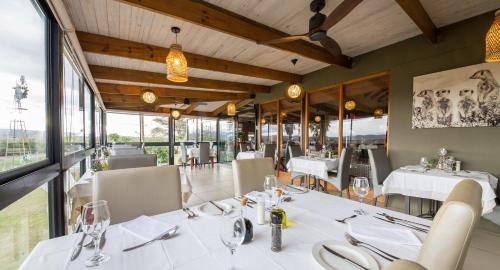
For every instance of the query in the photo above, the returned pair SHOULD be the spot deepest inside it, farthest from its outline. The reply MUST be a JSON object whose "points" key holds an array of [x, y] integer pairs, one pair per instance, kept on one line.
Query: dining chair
{"points": [[295, 151], [184, 155], [131, 161], [446, 244], [249, 174], [341, 180], [243, 147], [204, 156], [270, 150], [133, 192], [380, 170]]}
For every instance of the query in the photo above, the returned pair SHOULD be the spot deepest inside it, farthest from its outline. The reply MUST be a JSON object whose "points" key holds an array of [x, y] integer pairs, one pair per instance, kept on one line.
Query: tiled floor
{"points": [[217, 183]]}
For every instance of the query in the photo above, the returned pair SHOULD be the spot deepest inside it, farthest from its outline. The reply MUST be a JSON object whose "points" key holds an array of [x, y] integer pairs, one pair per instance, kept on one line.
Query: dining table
{"points": [[316, 166], [311, 219], [435, 184], [249, 155]]}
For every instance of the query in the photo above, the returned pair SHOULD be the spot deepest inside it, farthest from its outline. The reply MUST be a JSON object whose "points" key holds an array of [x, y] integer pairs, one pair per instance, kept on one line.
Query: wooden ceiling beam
{"points": [[191, 108], [120, 74], [133, 99], [220, 109], [216, 18], [152, 109], [124, 89], [420, 17], [135, 50]]}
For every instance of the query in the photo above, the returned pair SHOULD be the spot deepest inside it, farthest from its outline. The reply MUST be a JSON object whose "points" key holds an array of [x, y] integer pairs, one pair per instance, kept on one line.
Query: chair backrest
{"points": [[447, 242], [294, 150], [380, 165], [269, 150], [243, 147], [204, 152], [183, 153], [131, 161], [249, 174], [344, 166], [127, 151], [139, 191]]}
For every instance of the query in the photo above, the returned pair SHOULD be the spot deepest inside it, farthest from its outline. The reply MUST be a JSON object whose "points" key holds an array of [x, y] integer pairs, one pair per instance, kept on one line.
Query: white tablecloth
{"points": [[249, 155], [437, 184], [313, 165], [195, 152], [198, 246]]}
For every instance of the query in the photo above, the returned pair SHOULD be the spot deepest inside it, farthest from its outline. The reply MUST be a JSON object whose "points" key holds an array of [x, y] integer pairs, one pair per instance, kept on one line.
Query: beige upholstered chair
{"points": [[447, 242], [139, 191], [249, 174], [131, 161]]}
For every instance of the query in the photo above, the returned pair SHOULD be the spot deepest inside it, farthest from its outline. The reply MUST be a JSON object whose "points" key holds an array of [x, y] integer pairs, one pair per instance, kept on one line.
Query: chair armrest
{"points": [[404, 265]]}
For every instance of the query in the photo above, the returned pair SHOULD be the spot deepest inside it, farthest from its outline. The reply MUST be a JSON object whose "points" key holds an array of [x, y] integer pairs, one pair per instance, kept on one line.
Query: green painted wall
{"points": [[460, 44]]}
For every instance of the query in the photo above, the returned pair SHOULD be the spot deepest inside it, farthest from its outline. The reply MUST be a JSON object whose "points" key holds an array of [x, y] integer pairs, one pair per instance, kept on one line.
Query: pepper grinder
{"points": [[248, 224]]}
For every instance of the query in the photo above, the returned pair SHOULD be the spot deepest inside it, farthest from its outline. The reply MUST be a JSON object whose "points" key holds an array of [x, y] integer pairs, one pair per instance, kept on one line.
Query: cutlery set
{"points": [[190, 213]]}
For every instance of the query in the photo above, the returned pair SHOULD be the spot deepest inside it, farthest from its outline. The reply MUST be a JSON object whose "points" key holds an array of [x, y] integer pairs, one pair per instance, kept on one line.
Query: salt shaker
{"points": [[458, 165], [261, 210]]}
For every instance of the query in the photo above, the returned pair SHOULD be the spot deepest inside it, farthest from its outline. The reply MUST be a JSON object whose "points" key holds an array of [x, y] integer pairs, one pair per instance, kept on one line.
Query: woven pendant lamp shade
{"points": [[231, 109], [176, 64], [493, 40], [175, 114]]}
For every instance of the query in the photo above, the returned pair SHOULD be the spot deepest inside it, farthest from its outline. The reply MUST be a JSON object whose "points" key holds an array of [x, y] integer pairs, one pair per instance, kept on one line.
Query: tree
{"points": [[114, 137]]}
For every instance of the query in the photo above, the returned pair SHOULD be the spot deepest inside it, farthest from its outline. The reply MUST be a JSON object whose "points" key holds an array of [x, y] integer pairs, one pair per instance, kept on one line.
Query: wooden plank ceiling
{"points": [[126, 41]]}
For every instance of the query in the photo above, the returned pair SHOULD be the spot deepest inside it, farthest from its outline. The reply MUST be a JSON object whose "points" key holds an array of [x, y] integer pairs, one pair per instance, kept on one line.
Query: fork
{"points": [[189, 213], [343, 220], [355, 242]]}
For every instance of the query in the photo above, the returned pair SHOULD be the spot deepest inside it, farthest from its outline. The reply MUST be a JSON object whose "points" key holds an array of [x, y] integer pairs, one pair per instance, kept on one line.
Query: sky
{"points": [[22, 52]]}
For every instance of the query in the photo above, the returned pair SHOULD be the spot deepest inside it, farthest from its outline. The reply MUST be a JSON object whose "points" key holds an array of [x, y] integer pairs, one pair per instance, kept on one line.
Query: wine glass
{"points": [[270, 183], [232, 232], [424, 162], [96, 219], [361, 187]]}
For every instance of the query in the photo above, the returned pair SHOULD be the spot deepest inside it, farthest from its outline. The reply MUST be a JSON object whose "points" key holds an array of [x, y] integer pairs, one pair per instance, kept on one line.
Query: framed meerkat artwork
{"points": [[462, 97]]}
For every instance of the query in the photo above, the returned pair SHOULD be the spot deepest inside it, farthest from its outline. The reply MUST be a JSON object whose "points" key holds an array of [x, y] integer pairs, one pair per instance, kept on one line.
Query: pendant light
{"points": [[294, 90], [231, 109], [176, 62], [493, 40], [350, 105], [379, 112], [175, 114], [263, 121], [148, 96], [317, 118]]}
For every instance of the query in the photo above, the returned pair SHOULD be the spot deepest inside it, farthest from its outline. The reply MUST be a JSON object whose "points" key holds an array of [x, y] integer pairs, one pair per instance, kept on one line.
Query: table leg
{"points": [[191, 163], [212, 160]]}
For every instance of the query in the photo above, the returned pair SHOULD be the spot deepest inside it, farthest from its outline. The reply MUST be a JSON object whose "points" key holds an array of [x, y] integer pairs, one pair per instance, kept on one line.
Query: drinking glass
{"points": [[232, 232], [424, 162], [361, 187], [270, 184], [95, 220]]}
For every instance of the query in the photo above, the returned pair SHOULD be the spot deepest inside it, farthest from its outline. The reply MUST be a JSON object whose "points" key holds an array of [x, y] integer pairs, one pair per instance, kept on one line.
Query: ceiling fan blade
{"points": [[286, 39], [339, 13], [331, 46]]}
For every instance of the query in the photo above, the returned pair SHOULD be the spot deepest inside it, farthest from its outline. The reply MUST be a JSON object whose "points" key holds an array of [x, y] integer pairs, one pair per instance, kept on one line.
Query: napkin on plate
{"points": [[254, 194], [388, 235], [146, 227]]}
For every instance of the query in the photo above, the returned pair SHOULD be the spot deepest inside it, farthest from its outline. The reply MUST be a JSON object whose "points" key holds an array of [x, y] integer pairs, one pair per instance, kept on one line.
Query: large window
{"points": [[208, 130], [88, 115], [156, 137], [22, 225], [23, 82], [73, 112], [123, 128], [98, 124]]}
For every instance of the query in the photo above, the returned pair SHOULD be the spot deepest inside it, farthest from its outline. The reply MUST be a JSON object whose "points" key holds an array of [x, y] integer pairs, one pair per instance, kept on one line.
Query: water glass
{"points": [[232, 232], [424, 162], [270, 183], [96, 219], [361, 187]]}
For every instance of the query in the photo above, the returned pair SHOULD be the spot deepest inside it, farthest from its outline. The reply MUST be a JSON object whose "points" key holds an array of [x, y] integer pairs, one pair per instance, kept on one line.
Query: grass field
{"points": [[22, 225]]}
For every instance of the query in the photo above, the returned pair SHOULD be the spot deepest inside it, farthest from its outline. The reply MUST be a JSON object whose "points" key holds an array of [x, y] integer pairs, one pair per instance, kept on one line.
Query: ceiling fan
{"points": [[319, 25]]}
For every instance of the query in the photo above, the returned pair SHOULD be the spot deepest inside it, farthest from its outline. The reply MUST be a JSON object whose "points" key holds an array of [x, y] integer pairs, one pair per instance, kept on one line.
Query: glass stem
{"points": [[97, 241]]}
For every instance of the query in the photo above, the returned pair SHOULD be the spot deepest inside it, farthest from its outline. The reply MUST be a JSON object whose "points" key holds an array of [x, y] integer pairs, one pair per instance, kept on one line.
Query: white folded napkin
{"points": [[146, 227], [254, 194], [389, 235], [416, 168]]}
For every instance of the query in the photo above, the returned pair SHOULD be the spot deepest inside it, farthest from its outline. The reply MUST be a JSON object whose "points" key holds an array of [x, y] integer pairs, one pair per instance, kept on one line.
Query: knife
{"points": [[344, 258], [403, 220], [404, 225], [78, 248], [218, 207], [296, 188]]}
